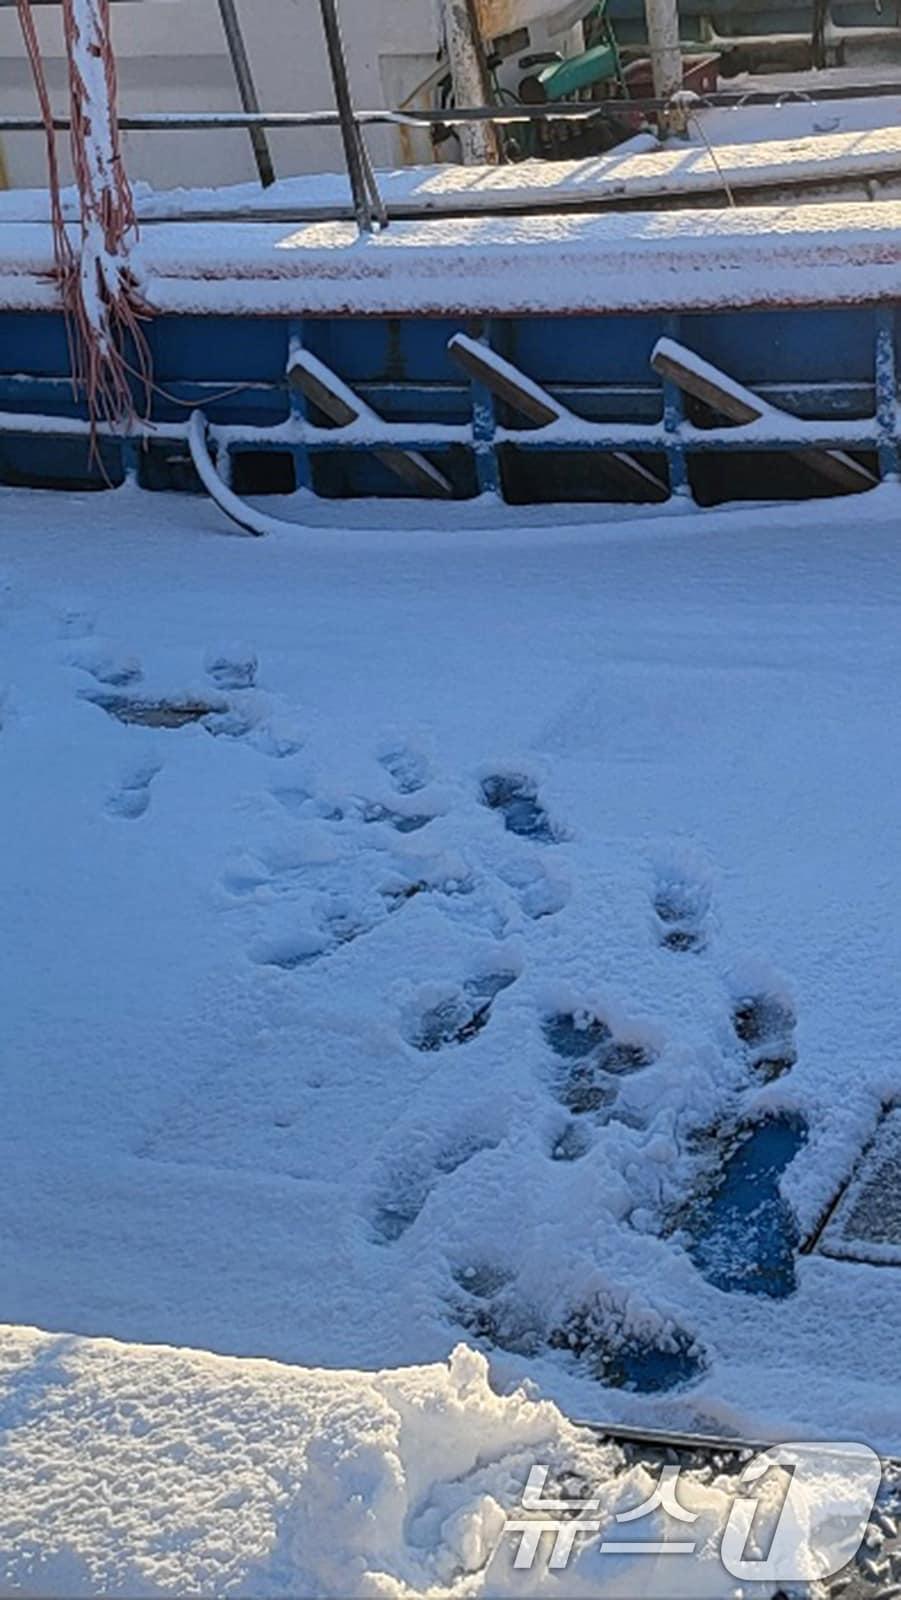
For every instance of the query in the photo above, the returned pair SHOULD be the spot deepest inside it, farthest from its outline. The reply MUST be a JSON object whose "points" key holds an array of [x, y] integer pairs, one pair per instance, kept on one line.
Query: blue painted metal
{"points": [[834, 367], [674, 423], [886, 394], [484, 430], [303, 467]]}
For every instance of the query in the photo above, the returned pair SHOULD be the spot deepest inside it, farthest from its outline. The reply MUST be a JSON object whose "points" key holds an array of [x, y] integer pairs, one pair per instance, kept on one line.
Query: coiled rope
{"points": [[99, 291]]}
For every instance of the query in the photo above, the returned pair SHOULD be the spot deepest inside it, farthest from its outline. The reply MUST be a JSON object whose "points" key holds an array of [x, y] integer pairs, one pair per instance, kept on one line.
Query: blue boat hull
{"points": [[830, 366]]}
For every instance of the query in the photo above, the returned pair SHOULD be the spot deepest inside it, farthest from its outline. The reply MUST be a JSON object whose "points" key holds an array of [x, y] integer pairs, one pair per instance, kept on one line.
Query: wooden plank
{"points": [[738, 404], [505, 381], [528, 398], [331, 396]]}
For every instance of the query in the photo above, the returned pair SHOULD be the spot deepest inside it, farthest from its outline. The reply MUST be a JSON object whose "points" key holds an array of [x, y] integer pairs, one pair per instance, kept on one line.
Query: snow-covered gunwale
{"points": [[829, 255]]}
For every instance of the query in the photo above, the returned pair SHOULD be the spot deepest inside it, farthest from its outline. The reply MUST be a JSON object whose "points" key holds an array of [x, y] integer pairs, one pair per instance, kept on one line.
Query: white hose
{"points": [[248, 520]]}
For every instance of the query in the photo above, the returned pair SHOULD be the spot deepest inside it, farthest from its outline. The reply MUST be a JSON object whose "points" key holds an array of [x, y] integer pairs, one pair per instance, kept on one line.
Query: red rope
{"points": [[99, 292]]}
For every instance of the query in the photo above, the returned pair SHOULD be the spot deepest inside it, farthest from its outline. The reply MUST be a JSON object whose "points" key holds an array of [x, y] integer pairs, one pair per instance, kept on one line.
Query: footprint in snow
{"points": [[76, 619], [515, 797], [681, 909], [407, 1189], [739, 1228], [301, 802], [107, 666], [407, 768], [573, 1143], [596, 1336], [401, 821], [132, 798], [462, 1015], [539, 893], [292, 952], [271, 736], [338, 921], [274, 736], [178, 712], [600, 1337], [765, 1025], [502, 1323], [455, 892], [232, 667], [592, 1061]]}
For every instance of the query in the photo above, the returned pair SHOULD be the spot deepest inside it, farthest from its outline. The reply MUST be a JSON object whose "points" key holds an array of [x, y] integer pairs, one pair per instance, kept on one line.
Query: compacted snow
{"points": [[477, 895]]}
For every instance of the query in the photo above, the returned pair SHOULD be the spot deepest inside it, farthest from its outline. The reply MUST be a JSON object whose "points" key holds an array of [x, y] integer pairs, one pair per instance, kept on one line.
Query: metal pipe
{"points": [[818, 33], [247, 89], [565, 111], [380, 210], [350, 132]]}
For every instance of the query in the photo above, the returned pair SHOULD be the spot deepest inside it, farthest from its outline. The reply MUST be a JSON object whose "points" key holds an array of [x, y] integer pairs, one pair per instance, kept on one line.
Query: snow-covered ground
{"points": [[213, 1476], [287, 1066]]}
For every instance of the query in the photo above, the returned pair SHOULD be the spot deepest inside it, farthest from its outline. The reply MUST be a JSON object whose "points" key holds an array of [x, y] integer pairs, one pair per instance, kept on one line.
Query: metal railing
{"points": [[368, 206], [562, 111]]}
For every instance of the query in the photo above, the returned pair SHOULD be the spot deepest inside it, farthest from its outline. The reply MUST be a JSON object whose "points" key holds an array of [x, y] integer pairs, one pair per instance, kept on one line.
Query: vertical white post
{"points": [[663, 42], [472, 86]]}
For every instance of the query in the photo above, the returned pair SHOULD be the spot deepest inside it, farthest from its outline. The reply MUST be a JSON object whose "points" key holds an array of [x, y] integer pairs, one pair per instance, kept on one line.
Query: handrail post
{"points": [[247, 89], [366, 203]]}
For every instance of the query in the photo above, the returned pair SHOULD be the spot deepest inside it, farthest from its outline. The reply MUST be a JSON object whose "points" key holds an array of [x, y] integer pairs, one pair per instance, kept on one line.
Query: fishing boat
{"points": [[640, 328]]}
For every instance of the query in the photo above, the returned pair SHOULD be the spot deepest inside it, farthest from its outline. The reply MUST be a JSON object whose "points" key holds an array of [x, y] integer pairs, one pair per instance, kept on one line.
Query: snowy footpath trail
{"points": [[402, 931]]}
